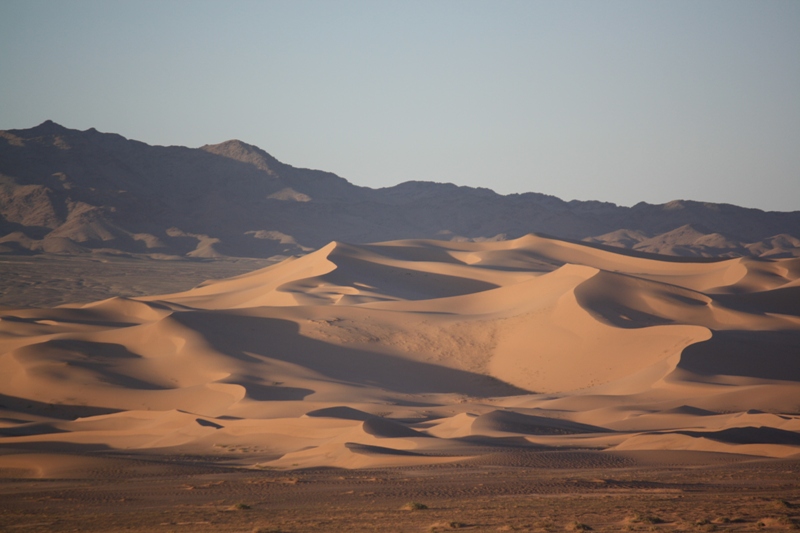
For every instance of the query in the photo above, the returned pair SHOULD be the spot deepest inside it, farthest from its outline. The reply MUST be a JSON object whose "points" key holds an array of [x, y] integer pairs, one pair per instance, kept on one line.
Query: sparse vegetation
{"points": [[705, 525], [643, 518], [447, 526], [414, 506]]}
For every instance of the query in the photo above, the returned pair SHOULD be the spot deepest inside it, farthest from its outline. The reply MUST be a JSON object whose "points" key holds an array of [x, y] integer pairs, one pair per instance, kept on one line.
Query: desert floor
{"points": [[545, 491], [50, 280]]}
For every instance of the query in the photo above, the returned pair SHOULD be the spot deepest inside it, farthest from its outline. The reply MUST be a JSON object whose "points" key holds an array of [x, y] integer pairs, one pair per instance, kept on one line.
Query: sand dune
{"points": [[413, 352]]}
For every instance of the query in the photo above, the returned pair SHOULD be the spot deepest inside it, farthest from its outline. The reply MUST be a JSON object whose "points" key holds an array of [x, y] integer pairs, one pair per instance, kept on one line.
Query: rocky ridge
{"points": [[66, 191]]}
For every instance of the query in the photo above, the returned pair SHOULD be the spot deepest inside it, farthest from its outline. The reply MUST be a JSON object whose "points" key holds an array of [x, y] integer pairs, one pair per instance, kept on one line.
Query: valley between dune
{"points": [[346, 382]]}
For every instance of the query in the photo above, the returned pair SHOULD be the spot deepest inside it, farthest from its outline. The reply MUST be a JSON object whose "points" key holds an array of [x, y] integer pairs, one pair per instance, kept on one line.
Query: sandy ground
{"points": [[472, 376]]}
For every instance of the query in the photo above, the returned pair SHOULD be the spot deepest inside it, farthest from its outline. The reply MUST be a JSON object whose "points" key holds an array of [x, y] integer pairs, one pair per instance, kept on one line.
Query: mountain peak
{"points": [[245, 153], [48, 127]]}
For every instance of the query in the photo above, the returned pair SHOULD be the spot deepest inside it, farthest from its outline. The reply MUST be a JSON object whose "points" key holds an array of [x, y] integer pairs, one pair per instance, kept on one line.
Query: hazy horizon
{"points": [[616, 101]]}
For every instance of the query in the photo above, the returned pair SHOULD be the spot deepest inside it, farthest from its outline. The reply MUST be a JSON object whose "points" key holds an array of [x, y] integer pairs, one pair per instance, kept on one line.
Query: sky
{"points": [[618, 101]]}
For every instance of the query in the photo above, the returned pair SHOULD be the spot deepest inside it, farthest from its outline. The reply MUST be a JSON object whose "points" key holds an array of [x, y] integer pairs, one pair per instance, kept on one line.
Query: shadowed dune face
{"points": [[772, 355], [256, 341], [416, 352]]}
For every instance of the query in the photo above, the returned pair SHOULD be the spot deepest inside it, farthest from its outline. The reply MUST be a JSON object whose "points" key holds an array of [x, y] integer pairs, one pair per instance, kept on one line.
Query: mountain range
{"points": [[67, 191]]}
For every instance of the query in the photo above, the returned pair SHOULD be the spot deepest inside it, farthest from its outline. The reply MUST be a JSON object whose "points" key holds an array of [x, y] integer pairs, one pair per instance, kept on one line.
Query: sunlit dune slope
{"points": [[412, 352]]}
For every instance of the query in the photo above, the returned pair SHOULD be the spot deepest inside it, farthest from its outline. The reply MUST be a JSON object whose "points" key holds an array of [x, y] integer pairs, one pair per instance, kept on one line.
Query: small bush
{"points": [[242, 506], [640, 518], [447, 526], [414, 506]]}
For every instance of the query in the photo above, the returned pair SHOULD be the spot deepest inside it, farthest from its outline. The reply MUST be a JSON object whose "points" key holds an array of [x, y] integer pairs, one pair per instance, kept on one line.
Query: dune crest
{"points": [[416, 352]]}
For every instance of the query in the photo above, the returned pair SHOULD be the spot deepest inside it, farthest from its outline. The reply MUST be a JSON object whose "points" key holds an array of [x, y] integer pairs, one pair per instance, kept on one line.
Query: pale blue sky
{"points": [[621, 101]]}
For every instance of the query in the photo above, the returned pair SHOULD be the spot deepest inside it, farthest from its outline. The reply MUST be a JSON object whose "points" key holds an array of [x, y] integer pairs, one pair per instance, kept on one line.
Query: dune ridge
{"points": [[415, 352]]}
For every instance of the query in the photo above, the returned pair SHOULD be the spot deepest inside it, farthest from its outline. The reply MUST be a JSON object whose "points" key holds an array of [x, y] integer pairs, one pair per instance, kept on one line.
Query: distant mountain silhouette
{"points": [[73, 192]]}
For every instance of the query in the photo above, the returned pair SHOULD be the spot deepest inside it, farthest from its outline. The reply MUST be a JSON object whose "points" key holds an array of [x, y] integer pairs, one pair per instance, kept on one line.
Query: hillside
{"points": [[65, 191]]}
